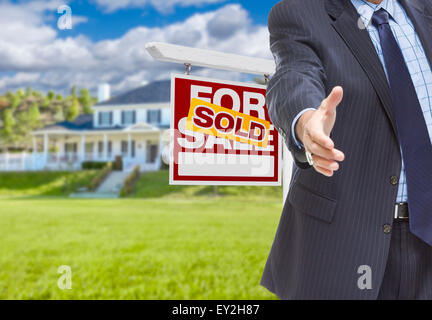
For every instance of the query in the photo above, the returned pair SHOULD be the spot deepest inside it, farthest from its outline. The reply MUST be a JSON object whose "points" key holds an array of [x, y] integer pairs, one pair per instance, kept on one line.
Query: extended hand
{"points": [[314, 128]]}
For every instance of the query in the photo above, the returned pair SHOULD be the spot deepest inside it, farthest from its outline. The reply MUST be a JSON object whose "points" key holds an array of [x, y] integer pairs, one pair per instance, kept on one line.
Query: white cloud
{"points": [[160, 5], [39, 58]]}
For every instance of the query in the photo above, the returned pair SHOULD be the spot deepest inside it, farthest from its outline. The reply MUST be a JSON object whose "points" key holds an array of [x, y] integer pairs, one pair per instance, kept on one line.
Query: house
{"points": [[133, 125]]}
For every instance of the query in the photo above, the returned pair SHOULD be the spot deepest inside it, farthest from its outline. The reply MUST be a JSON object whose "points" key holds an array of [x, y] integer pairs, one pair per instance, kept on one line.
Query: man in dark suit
{"points": [[357, 222]]}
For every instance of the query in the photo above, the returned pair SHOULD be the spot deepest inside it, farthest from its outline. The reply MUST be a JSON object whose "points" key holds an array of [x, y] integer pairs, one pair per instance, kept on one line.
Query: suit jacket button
{"points": [[394, 180], [387, 228]]}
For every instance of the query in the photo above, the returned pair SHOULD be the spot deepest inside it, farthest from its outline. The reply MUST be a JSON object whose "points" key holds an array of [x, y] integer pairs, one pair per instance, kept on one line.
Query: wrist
{"points": [[301, 124]]}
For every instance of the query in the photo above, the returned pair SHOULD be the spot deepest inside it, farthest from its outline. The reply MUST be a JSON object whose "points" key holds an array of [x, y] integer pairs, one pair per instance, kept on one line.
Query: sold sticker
{"points": [[208, 118]]}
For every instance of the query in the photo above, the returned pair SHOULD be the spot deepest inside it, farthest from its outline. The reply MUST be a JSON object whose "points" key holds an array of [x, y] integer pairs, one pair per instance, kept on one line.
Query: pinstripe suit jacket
{"points": [[331, 226]]}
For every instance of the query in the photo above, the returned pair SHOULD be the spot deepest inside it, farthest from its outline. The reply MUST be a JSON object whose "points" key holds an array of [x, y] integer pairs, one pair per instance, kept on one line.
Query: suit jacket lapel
{"points": [[345, 22], [420, 15]]}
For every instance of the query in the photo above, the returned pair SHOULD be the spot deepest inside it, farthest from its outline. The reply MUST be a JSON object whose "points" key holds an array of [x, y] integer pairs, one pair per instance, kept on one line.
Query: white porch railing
{"points": [[65, 161], [21, 161]]}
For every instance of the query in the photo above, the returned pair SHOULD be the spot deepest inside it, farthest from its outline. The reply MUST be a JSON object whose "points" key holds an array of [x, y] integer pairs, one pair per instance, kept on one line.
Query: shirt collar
{"points": [[366, 9]]}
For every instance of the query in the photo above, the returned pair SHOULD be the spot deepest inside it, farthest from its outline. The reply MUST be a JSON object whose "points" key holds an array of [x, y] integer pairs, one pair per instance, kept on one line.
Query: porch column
{"points": [[95, 155], [129, 146], [145, 151], [105, 147], [82, 153], [34, 154], [45, 150]]}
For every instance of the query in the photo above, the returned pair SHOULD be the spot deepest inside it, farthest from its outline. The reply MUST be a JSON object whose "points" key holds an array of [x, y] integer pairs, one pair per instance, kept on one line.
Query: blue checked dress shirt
{"points": [[414, 56]]}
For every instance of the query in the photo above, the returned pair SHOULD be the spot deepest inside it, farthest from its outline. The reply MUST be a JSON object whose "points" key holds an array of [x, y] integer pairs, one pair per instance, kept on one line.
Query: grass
{"points": [[155, 185], [163, 242], [135, 249], [43, 183]]}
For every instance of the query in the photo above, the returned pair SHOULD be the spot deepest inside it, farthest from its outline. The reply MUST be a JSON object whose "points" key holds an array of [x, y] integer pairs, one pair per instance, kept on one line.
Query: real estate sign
{"points": [[221, 134]]}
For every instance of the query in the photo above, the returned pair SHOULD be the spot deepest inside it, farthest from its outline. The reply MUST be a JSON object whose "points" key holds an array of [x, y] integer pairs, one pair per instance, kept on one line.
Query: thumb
{"points": [[333, 100]]}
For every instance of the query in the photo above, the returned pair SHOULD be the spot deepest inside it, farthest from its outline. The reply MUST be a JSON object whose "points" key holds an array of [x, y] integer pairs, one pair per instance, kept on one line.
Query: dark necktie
{"points": [[412, 131]]}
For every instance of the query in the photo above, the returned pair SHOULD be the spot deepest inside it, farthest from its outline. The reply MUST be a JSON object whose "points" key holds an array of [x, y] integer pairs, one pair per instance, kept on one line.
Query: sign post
{"points": [[223, 61]]}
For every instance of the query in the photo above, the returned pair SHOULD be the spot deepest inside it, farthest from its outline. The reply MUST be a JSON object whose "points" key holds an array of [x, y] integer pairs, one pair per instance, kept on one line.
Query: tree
{"points": [[73, 92], [72, 110], [46, 102], [4, 103], [50, 95], [58, 113], [21, 128], [8, 124], [20, 93], [34, 116], [29, 92], [15, 101], [86, 101]]}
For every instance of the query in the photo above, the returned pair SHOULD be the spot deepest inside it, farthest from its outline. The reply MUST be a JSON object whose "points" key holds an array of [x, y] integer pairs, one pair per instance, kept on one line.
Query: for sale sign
{"points": [[222, 134]]}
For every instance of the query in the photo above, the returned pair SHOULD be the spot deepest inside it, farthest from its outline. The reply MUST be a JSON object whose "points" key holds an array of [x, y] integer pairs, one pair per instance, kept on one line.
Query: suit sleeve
{"points": [[298, 83]]}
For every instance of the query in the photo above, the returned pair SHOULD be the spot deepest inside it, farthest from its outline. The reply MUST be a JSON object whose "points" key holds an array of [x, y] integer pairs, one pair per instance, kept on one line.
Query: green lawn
{"points": [[155, 185], [43, 183], [183, 243]]}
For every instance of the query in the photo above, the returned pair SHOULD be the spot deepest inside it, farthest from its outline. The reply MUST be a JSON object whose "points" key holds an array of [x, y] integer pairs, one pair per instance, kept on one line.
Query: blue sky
{"points": [[106, 43], [102, 25]]}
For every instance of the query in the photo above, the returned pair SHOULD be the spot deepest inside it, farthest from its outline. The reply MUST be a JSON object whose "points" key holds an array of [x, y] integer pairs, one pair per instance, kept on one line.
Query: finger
{"points": [[317, 149], [333, 100], [322, 139], [327, 173], [325, 163]]}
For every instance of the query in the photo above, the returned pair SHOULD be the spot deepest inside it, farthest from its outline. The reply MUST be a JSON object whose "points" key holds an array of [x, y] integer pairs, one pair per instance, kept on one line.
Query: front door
{"points": [[152, 153]]}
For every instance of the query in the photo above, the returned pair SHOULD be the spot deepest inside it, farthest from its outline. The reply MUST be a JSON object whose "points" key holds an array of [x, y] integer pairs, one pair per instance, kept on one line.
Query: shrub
{"points": [[97, 180], [93, 165], [130, 181]]}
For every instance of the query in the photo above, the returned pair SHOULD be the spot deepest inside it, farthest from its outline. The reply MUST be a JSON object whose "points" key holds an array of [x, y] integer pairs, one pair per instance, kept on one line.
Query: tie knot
{"points": [[380, 17]]}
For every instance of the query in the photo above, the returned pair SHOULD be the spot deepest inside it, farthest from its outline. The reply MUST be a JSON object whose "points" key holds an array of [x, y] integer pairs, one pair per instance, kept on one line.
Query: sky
{"points": [[107, 41]]}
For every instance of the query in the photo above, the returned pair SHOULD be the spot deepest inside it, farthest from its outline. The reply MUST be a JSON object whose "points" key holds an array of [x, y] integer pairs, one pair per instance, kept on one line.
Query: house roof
{"points": [[82, 122], [155, 92]]}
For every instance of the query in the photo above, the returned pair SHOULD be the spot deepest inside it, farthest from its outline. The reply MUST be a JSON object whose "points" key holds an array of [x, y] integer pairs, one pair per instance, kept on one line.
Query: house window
{"points": [[109, 149], [125, 148], [153, 116], [70, 148], [128, 117], [101, 149], [89, 150], [105, 118]]}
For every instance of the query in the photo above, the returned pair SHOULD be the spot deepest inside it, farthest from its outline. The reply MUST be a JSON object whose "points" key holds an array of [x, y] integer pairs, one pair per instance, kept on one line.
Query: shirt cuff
{"points": [[299, 145]]}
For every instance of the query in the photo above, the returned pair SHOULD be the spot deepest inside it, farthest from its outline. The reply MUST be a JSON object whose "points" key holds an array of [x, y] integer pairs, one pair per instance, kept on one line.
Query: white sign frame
{"points": [[172, 136]]}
